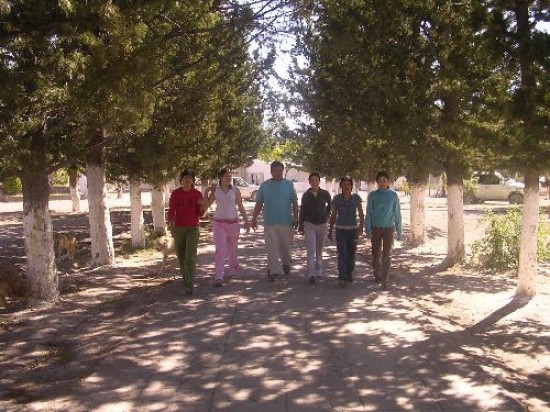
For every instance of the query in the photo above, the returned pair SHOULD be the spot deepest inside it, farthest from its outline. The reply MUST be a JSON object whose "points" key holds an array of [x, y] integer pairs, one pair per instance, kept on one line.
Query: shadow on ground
{"points": [[127, 338]]}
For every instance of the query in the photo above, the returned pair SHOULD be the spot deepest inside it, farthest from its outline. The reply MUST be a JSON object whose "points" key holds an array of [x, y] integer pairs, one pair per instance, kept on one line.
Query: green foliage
{"points": [[171, 83], [522, 46], [543, 242], [59, 178], [499, 248], [404, 187], [11, 186], [387, 87], [125, 248]]}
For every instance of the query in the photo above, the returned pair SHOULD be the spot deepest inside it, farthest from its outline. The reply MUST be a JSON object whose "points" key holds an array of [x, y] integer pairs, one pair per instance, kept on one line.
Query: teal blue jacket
{"points": [[383, 210]]}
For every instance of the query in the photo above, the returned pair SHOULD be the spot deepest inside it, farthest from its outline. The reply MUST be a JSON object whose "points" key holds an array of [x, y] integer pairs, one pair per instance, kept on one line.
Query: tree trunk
{"points": [[136, 212], [204, 186], [42, 278], [527, 269], [418, 210], [73, 188], [455, 211], [441, 186], [391, 180], [334, 189], [158, 209], [371, 180], [101, 231]]}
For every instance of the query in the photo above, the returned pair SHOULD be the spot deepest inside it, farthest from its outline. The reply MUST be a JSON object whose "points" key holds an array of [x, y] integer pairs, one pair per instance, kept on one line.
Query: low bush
{"points": [[499, 248], [11, 186]]}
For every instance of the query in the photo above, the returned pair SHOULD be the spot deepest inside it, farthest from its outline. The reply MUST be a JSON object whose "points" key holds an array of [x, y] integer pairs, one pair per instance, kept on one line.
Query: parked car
{"points": [[493, 186], [248, 191]]}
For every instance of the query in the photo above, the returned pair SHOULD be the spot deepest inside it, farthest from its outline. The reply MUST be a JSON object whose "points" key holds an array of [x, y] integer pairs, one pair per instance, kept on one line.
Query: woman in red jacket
{"points": [[185, 206]]}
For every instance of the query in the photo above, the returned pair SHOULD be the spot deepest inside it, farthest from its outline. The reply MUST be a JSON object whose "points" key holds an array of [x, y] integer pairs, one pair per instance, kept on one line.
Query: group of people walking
{"points": [[319, 217]]}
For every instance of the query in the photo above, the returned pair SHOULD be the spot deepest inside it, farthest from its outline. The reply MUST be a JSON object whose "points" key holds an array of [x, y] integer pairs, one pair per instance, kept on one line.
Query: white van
{"points": [[248, 191]]}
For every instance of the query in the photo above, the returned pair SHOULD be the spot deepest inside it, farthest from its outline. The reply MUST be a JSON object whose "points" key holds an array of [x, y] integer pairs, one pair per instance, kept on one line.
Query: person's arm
{"points": [[255, 213], [201, 204], [209, 196], [368, 219], [302, 215], [397, 214], [294, 199], [329, 202], [332, 219], [171, 215], [361, 216], [239, 200]]}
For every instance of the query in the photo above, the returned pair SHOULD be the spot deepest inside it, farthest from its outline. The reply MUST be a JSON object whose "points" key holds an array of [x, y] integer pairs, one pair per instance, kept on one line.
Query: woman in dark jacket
{"points": [[314, 212]]}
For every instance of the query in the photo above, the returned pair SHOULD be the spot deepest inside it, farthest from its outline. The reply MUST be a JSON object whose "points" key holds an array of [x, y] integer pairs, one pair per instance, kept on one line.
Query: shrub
{"points": [[404, 187], [543, 242], [499, 248], [11, 186], [59, 178]]}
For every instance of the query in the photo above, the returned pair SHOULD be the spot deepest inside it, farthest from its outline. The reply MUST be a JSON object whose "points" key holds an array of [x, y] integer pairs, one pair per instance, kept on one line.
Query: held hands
{"points": [[253, 224], [170, 228], [247, 227]]}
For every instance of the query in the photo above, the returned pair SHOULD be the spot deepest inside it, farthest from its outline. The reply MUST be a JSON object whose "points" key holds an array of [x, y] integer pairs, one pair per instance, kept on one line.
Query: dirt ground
{"points": [[510, 341]]}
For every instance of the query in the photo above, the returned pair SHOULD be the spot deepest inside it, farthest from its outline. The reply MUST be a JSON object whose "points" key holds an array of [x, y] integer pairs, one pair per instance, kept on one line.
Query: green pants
{"points": [[187, 240]]}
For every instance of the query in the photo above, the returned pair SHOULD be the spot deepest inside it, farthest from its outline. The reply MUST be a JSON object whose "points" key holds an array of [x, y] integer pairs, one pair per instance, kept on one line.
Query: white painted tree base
{"points": [[158, 209], [455, 211], [136, 214], [528, 263], [42, 277], [101, 231]]}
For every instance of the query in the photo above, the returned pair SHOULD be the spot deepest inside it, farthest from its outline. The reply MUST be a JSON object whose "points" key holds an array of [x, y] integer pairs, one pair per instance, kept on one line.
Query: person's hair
{"points": [[187, 172], [382, 174], [276, 163], [220, 174], [314, 174], [344, 179]]}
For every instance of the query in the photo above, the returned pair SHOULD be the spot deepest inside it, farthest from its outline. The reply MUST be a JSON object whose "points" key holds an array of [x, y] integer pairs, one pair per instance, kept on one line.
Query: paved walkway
{"points": [[286, 347], [254, 345]]}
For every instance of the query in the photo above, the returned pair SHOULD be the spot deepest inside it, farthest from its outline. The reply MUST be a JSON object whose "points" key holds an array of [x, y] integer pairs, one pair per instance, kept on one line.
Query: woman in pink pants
{"points": [[226, 224]]}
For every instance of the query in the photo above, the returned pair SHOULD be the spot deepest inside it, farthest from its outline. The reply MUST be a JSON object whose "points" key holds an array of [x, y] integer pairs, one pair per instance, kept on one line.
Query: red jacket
{"points": [[184, 209]]}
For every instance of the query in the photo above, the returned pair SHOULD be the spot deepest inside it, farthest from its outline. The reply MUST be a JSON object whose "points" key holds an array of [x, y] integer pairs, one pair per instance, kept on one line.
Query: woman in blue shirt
{"points": [[343, 217]]}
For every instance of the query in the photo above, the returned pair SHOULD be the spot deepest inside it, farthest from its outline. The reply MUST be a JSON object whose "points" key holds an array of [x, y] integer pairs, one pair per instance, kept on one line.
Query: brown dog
{"points": [[166, 245], [11, 283], [66, 243]]}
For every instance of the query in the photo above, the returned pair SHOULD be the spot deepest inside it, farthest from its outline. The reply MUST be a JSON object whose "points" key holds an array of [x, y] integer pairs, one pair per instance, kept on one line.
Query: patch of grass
{"points": [[125, 248]]}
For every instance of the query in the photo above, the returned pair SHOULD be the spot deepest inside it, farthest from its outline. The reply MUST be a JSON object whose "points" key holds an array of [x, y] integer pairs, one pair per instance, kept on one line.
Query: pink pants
{"points": [[226, 236]]}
